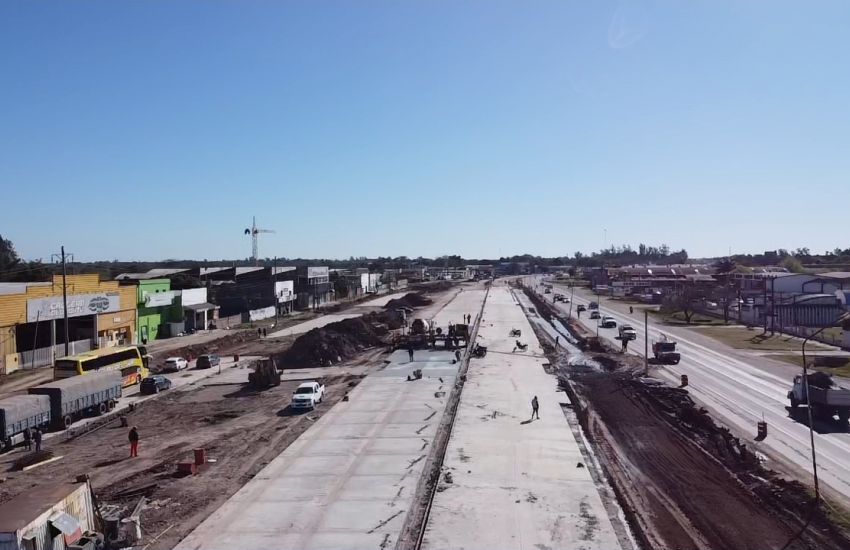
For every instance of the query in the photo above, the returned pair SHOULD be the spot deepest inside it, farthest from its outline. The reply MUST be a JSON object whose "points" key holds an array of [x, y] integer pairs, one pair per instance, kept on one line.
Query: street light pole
{"points": [[646, 342], [843, 318]]}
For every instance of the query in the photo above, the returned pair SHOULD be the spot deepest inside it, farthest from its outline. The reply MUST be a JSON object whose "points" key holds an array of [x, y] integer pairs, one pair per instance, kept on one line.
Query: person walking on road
{"points": [[134, 442], [631, 309], [534, 406], [410, 352], [557, 339], [37, 438], [259, 333]]}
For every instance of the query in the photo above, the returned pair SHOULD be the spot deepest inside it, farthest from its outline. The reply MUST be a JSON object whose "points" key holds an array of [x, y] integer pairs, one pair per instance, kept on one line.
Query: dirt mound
{"points": [[339, 341], [411, 299]]}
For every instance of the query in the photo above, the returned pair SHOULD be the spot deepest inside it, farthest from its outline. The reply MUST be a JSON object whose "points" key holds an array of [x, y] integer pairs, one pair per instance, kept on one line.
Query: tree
{"points": [[792, 264], [8, 256], [683, 301]]}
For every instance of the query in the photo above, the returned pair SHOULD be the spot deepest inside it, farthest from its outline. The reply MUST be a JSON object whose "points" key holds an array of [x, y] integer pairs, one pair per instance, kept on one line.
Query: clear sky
{"points": [[152, 130]]}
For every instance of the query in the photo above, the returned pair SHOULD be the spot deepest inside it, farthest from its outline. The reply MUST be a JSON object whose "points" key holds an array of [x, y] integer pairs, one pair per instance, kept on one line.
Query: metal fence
{"points": [[42, 357]]}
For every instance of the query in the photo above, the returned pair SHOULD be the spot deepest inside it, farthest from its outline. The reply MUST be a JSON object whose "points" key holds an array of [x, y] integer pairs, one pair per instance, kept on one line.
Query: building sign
{"points": [[316, 272], [45, 309], [158, 299], [284, 290]]}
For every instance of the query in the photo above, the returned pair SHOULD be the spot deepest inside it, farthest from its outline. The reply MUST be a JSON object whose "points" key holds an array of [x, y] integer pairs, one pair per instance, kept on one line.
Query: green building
{"points": [[155, 309]]}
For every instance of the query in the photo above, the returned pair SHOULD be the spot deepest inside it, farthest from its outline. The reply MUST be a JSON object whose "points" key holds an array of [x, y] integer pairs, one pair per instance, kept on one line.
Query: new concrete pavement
{"points": [[348, 481], [515, 483]]}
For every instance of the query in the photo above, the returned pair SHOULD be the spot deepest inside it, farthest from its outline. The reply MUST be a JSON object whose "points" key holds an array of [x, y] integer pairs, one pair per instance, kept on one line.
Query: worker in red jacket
{"points": [[134, 442]]}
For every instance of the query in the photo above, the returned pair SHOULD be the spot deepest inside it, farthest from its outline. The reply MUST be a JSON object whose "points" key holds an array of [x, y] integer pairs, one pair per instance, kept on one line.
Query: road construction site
{"points": [[239, 429], [435, 448], [739, 389], [684, 480]]}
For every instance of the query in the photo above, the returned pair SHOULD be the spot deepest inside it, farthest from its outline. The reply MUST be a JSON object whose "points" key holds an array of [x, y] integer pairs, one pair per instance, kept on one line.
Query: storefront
{"points": [[32, 325]]}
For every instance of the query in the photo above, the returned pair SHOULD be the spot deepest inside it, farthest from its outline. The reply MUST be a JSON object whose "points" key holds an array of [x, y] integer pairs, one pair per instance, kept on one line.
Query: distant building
{"points": [[312, 287]]}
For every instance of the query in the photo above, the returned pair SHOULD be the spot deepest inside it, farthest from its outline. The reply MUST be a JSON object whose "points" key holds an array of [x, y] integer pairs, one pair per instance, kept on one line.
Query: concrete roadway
{"points": [[348, 481], [739, 392], [515, 483]]}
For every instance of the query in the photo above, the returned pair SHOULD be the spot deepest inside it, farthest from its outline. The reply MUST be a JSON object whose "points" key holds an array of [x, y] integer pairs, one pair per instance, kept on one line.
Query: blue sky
{"points": [[152, 130]]}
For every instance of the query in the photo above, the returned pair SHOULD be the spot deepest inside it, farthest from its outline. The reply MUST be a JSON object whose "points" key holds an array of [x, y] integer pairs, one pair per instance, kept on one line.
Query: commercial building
{"points": [[32, 326], [154, 304], [312, 287], [47, 517]]}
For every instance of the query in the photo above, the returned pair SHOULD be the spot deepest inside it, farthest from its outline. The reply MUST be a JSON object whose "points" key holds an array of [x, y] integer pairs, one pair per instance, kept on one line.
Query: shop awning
{"points": [[67, 525], [200, 307]]}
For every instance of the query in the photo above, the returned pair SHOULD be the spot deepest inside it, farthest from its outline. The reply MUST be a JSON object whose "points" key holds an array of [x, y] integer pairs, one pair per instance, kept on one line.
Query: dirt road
{"points": [[240, 429]]}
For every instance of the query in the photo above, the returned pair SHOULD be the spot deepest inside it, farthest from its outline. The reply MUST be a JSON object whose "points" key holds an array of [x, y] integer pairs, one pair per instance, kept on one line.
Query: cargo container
{"points": [[72, 398], [19, 413]]}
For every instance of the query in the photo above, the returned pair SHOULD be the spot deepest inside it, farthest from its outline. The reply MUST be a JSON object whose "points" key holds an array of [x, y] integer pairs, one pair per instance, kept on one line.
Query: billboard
{"points": [[45, 309]]}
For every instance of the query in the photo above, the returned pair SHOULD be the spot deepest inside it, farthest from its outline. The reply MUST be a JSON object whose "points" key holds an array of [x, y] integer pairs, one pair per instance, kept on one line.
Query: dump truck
{"points": [[20, 413], [665, 352], [824, 398], [265, 374], [72, 398]]}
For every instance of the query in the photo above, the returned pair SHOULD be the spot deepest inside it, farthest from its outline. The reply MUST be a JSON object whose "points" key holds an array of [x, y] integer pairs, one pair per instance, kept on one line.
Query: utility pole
{"points": [[646, 342], [63, 258]]}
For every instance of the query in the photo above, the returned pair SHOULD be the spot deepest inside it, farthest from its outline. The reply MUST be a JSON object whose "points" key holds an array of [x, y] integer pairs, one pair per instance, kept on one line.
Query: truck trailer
{"points": [[72, 398], [20, 413]]}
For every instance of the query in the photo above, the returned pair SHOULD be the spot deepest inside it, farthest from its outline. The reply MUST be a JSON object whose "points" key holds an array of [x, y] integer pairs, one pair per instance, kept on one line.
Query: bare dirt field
{"points": [[240, 429]]}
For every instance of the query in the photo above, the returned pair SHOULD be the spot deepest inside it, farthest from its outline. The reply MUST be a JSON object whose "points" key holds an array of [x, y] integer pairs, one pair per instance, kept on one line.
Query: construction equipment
{"points": [[265, 374], [824, 398], [665, 352], [479, 351], [254, 231]]}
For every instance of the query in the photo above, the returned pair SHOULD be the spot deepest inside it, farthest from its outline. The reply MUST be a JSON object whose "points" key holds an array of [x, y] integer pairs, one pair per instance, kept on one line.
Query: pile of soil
{"points": [[411, 299], [339, 341]]}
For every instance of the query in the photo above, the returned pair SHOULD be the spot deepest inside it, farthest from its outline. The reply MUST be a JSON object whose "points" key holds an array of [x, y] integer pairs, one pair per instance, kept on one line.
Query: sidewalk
{"points": [[515, 483]]}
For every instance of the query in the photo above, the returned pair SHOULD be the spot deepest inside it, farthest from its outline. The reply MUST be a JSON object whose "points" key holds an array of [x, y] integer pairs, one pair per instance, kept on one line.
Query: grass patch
{"points": [[743, 338], [678, 319], [830, 364]]}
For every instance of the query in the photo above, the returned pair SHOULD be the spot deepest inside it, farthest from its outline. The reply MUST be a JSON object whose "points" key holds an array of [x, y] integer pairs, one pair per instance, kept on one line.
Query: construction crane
{"points": [[254, 232]]}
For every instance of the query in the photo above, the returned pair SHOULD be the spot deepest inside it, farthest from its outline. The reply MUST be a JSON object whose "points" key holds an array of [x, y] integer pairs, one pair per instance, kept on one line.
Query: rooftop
{"points": [[20, 511]]}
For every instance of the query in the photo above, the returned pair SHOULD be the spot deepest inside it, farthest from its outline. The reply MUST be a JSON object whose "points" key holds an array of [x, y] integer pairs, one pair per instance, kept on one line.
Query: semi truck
{"points": [[824, 398], [19, 413], [72, 398]]}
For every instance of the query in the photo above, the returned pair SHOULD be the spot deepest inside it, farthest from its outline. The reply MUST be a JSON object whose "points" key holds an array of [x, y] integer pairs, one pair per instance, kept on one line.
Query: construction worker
{"points": [[631, 309], [28, 438], [410, 351], [625, 345], [534, 408], [133, 436], [557, 339], [37, 438]]}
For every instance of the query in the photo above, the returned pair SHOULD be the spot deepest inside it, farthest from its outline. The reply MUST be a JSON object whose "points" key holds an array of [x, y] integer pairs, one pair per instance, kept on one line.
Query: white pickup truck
{"points": [[627, 332], [308, 395]]}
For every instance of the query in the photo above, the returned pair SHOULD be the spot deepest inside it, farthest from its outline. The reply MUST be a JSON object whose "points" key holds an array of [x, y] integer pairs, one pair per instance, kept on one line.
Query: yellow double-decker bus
{"points": [[132, 361]]}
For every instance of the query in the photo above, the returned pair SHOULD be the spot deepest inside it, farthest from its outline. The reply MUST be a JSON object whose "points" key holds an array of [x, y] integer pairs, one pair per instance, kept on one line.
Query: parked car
{"points": [[595, 314], [208, 361], [154, 383], [308, 395], [174, 364], [608, 322], [581, 308]]}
